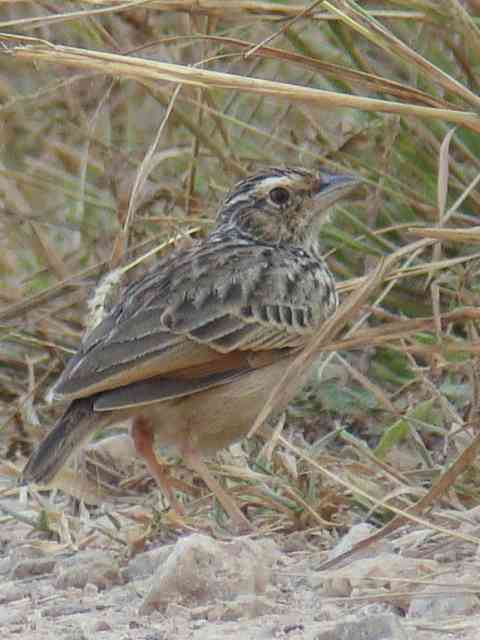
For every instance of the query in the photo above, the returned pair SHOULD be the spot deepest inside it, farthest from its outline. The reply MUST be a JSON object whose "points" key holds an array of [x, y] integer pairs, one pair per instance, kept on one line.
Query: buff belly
{"points": [[213, 419]]}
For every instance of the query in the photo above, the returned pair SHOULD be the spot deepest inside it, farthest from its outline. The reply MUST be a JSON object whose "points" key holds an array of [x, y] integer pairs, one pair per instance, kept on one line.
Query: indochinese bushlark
{"points": [[193, 349]]}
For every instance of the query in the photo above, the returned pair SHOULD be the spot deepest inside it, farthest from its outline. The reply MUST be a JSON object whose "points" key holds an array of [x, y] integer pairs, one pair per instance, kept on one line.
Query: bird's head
{"points": [[283, 206]]}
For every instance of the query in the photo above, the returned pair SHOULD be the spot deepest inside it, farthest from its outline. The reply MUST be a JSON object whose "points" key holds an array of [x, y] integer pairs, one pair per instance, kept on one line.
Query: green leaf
{"points": [[424, 413]]}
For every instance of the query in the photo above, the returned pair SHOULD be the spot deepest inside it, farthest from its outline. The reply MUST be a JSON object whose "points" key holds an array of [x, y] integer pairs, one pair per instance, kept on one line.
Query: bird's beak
{"points": [[332, 187]]}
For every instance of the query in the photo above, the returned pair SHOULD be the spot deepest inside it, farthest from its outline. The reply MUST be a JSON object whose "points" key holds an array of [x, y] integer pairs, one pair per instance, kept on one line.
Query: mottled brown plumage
{"points": [[194, 348]]}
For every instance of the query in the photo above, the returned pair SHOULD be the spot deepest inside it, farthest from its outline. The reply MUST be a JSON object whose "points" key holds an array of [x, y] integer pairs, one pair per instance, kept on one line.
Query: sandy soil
{"points": [[88, 583]]}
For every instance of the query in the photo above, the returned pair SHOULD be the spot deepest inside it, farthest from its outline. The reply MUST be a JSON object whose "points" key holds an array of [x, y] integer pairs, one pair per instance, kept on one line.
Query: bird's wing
{"points": [[204, 315]]}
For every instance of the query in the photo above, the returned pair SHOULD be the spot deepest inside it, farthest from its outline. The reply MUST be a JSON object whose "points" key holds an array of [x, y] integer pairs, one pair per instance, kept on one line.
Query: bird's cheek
{"points": [[263, 226]]}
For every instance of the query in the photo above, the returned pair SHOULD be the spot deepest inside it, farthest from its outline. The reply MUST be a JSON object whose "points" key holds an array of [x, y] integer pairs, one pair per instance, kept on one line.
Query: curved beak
{"points": [[332, 187]]}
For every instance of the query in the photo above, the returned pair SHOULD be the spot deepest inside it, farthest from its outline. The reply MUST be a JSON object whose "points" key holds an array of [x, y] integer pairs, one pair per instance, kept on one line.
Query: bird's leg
{"points": [[142, 436], [194, 461]]}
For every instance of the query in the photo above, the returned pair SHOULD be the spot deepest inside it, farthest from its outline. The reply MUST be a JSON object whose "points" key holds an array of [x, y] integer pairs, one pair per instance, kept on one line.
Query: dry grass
{"points": [[123, 125]]}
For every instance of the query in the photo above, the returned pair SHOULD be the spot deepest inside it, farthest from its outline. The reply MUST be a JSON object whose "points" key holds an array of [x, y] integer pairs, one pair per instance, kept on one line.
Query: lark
{"points": [[192, 350]]}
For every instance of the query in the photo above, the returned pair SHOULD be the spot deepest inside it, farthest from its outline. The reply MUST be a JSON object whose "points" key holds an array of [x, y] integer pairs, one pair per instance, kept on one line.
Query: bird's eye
{"points": [[279, 195]]}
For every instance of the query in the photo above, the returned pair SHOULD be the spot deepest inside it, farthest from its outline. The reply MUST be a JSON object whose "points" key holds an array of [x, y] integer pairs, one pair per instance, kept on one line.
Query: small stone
{"points": [[328, 612], [11, 591], [337, 587], [102, 625], [175, 610], [5, 565], [26, 551], [296, 541], [145, 564], [102, 571], [248, 607], [203, 571], [65, 609], [383, 627], [380, 573], [84, 558], [447, 595], [28, 568], [293, 627], [8, 618], [77, 633], [133, 624], [90, 590], [198, 624], [200, 613], [216, 612]]}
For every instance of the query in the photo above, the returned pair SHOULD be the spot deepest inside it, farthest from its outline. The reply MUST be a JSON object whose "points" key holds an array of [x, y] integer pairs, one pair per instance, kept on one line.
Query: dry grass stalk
{"points": [[437, 490], [140, 69]]}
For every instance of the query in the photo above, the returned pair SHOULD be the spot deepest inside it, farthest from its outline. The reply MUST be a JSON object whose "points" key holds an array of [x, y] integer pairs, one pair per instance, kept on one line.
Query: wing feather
{"points": [[159, 389], [205, 302]]}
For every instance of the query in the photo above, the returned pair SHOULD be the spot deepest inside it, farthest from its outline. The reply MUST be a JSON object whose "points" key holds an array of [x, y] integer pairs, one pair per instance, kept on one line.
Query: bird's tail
{"points": [[77, 423]]}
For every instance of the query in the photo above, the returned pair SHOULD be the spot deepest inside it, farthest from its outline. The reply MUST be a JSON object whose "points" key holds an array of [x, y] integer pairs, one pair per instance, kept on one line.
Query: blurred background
{"points": [[387, 416]]}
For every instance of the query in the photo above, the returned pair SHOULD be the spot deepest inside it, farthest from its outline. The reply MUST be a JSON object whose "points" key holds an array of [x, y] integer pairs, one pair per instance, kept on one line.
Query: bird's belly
{"points": [[213, 419]]}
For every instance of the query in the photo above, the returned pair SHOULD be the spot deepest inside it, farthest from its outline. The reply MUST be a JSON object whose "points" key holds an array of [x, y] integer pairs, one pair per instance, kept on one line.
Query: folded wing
{"points": [[201, 319]]}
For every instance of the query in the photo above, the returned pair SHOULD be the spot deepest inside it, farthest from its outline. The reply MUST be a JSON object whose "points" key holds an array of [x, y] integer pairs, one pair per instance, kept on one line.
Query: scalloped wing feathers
{"points": [[199, 307]]}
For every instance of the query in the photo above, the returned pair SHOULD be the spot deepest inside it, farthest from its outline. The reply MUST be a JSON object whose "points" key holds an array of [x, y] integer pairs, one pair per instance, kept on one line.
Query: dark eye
{"points": [[279, 195]]}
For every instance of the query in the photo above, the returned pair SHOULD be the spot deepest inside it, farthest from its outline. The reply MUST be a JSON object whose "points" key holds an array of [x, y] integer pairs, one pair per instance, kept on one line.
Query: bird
{"points": [[191, 350]]}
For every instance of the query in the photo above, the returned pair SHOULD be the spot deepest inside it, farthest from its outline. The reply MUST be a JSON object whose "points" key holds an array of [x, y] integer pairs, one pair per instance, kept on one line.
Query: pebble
{"points": [[11, 591], [101, 571], [33, 567], [202, 571], [8, 617], [382, 627], [65, 609], [380, 574], [446, 595], [145, 564], [102, 625]]}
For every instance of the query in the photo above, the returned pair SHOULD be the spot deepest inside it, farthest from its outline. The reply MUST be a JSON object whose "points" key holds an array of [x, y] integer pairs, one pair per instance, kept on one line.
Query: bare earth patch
{"points": [[193, 585]]}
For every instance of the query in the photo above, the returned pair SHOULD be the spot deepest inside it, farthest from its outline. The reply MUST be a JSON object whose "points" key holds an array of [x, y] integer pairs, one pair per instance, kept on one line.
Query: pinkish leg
{"points": [[142, 436]]}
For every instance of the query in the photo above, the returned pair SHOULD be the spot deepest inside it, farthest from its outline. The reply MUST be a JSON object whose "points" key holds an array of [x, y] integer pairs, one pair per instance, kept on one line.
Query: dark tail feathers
{"points": [[77, 423]]}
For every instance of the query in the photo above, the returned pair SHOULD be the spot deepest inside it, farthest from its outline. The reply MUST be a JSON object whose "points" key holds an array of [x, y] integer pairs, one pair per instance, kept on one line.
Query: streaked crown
{"points": [[283, 206]]}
